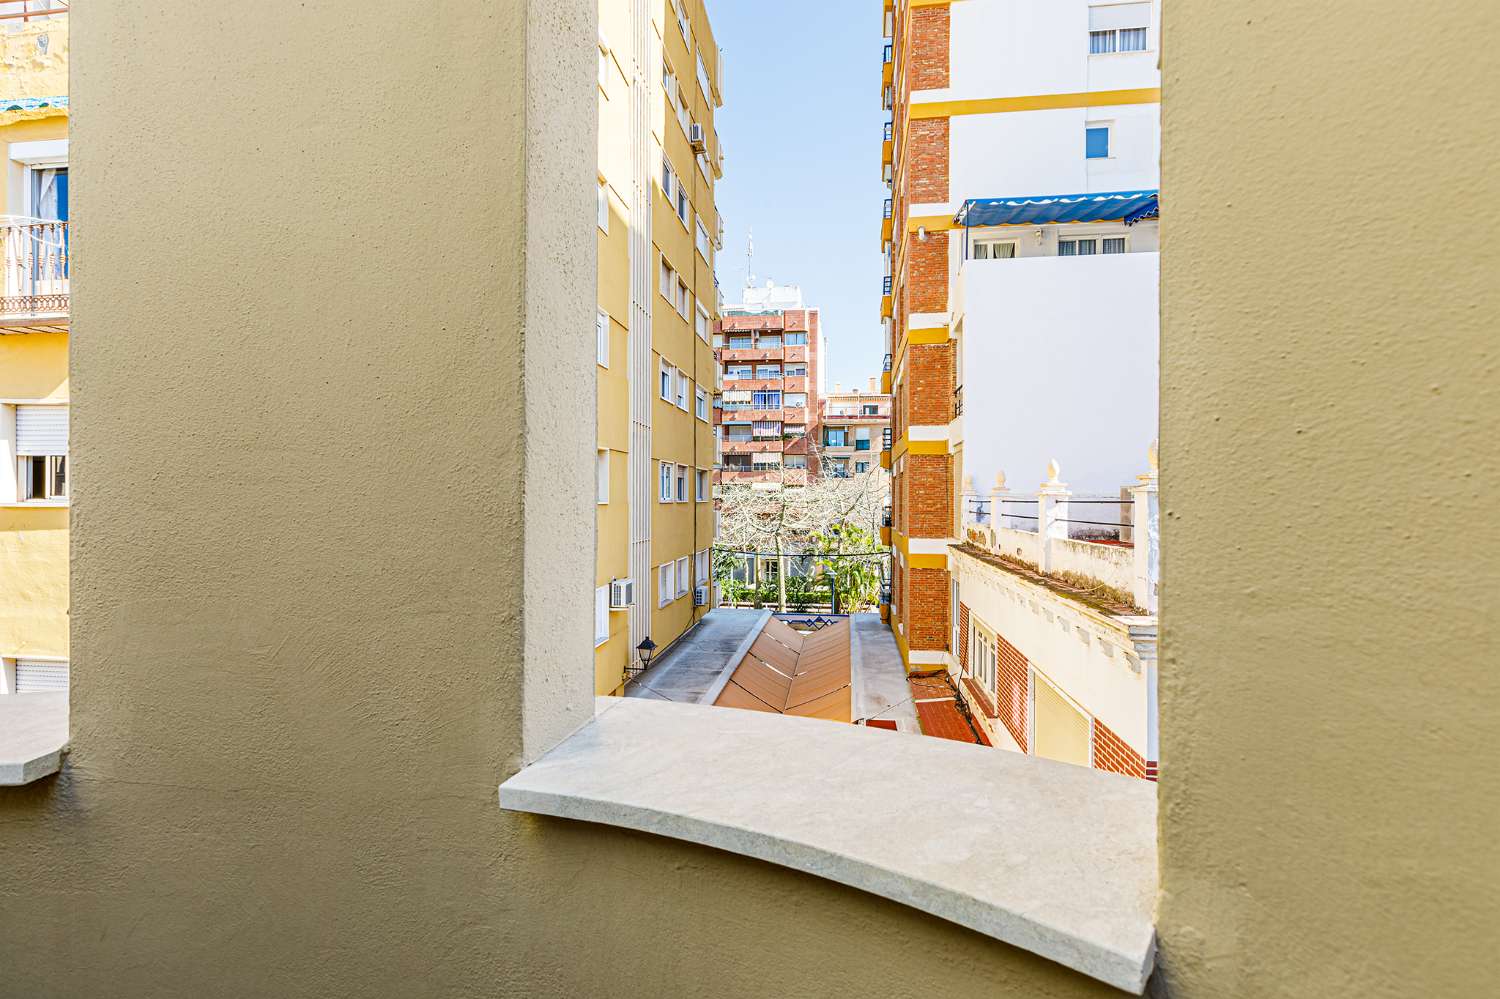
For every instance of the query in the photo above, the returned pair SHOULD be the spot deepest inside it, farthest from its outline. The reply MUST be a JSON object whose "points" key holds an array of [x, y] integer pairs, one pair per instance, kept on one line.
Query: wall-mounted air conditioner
{"points": [[697, 138], [700, 597], [621, 593]]}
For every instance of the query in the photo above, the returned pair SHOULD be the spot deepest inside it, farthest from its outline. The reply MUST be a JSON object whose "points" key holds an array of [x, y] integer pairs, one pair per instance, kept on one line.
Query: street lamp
{"points": [[645, 650]]}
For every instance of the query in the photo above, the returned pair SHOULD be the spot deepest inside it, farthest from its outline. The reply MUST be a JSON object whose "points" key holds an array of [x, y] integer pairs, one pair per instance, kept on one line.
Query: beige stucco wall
{"points": [[1331, 409], [330, 488]]}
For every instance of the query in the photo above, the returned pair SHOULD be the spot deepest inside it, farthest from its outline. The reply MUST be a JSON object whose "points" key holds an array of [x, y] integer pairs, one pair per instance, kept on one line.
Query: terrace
{"points": [[34, 257]]}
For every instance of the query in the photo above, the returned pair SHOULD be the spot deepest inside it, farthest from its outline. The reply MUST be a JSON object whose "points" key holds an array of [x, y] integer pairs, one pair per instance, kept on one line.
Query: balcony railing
{"points": [[888, 208], [35, 10], [958, 401], [885, 285], [885, 365], [885, 53], [35, 256], [887, 136], [885, 439]]}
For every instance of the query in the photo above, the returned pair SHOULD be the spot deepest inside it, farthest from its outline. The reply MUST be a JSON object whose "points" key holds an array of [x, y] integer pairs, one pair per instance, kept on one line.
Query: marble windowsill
{"points": [[33, 736], [1055, 859]]}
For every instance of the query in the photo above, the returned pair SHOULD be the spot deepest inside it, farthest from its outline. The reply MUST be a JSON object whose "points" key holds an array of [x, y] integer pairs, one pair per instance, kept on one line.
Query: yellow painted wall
{"points": [[34, 366], [30, 69], [1330, 413]]}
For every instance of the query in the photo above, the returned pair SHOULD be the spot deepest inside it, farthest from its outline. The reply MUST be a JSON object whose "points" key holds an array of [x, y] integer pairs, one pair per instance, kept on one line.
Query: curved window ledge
{"points": [[1056, 859], [33, 736]]}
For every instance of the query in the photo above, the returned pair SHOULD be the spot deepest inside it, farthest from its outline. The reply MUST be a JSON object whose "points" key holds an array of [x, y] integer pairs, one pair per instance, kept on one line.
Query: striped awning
{"points": [[1057, 209]]}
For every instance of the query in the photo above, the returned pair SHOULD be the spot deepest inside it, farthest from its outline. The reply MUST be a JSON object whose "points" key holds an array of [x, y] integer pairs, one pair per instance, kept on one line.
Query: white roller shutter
{"points": [[1120, 15], [33, 675], [41, 429]]}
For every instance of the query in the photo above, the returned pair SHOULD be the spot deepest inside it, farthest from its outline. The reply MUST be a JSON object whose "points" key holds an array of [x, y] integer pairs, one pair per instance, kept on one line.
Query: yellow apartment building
{"points": [[658, 232], [34, 313]]}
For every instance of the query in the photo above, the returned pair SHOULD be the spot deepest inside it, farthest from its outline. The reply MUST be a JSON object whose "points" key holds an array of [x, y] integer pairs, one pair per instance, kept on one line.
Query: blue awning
{"points": [[1058, 209]]}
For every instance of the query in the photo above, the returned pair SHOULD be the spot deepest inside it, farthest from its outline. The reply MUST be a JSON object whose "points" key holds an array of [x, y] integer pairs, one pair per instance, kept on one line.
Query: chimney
{"points": [[872, 386], [837, 388]]}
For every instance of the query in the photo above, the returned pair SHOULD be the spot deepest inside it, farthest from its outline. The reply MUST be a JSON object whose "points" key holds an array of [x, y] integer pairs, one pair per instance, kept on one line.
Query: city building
{"points": [[658, 232], [1020, 297], [34, 322], [770, 349], [854, 425]]}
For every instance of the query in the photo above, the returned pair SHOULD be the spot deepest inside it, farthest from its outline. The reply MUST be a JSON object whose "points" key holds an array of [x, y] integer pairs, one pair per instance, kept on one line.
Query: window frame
{"points": [[683, 574], [602, 209], [601, 338], [1108, 128], [601, 476], [664, 482], [601, 621]]}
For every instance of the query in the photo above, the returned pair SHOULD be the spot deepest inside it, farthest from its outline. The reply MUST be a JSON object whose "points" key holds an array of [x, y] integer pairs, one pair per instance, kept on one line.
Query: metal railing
{"points": [[885, 365], [885, 285], [885, 439], [34, 253], [887, 135], [888, 208], [885, 53], [958, 401], [32, 10]]}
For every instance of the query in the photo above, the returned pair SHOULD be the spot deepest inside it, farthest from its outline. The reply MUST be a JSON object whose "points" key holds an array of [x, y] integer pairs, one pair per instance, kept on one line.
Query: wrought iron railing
{"points": [[958, 401], [35, 261], [33, 10]]}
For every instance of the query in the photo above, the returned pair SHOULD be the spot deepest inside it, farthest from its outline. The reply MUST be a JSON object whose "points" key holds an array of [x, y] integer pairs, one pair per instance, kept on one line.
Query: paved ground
{"points": [[686, 670], [880, 689]]}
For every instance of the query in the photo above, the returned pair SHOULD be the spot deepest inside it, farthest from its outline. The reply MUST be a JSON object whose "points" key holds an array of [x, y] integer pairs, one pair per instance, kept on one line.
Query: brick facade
{"points": [[1014, 695], [928, 495], [1112, 754], [927, 160], [927, 63], [927, 272], [927, 609], [928, 386]]}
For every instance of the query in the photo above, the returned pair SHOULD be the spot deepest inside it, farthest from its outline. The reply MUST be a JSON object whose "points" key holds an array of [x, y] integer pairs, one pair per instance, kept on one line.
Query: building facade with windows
{"points": [[34, 323], [658, 233], [853, 426], [769, 348], [1020, 290]]}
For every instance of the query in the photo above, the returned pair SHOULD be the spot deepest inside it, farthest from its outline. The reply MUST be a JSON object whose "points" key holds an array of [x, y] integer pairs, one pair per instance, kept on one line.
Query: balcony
{"points": [[35, 260], [752, 415], [729, 354], [887, 147], [764, 445], [764, 476], [752, 384]]}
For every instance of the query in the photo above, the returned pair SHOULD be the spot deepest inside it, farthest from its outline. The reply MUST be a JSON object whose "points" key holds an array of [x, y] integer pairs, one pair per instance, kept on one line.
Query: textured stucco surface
{"points": [[297, 666], [1331, 409]]}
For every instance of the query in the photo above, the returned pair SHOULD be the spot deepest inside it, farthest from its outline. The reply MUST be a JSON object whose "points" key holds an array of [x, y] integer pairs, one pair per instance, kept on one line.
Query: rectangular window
{"points": [[668, 178], [702, 240], [701, 322], [994, 249], [702, 410], [795, 371], [601, 336], [765, 400], [666, 381], [666, 583], [665, 494], [1132, 39], [861, 466], [682, 493], [1096, 142], [1118, 27], [684, 568], [769, 341], [795, 430], [1114, 244], [601, 615], [796, 400], [795, 460], [601, 476], [684, 209], [740, 342], [1102, 42], [1077, 247], [766, 429], [668, 279], [702, 567], [796, 339], [702, 485], [737, 371], [682, 391], [41, 453], [604, 207], [768, 371], [982, 659], [684, 296]]}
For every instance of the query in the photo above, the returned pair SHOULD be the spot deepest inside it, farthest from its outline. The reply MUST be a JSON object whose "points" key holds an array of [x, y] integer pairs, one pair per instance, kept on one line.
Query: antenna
{"points": [[750, 259]]}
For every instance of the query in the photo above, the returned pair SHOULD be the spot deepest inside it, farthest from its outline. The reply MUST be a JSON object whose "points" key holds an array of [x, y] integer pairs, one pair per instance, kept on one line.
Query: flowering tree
{"points": [[788, 520]]}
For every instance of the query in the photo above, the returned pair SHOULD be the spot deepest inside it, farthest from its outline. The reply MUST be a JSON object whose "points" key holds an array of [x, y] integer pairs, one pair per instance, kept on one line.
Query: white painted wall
{"points": [[1087, 655], [1062, 356]]}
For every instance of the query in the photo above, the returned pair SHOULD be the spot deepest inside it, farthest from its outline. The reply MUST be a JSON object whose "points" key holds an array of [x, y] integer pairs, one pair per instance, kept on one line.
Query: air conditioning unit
{"points": [[696, 137], [621, 593], [700, 597]]}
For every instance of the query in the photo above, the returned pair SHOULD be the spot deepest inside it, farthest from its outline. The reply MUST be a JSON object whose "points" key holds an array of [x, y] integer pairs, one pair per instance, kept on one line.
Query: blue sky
{"points": [[801, 125]]}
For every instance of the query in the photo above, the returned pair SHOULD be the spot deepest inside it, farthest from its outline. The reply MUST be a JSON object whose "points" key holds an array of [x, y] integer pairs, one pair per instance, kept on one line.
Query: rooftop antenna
{"points": [[750, 259]]}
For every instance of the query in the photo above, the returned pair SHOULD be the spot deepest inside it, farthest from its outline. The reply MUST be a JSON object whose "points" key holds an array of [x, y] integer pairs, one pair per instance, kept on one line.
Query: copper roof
{"points": [[793, 672]]}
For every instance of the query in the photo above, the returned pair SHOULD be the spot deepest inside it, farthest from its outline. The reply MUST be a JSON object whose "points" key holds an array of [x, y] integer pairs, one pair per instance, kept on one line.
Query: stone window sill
{"points": [[33, 736], [1055, 859]]}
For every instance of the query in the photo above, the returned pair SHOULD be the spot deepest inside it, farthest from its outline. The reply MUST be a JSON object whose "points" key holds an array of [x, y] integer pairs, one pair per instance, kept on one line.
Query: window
{"points": [[994, 249], [682, 391], [701, 323], [668, 279], [702, 409], [740, 342], [769, 341], [738, 371], [601, 615], [796, 339], [1119, 28], [768, 371], [869, 410], [684, 296], [862, 438], [835, 437], [704, 247], [603, 206], [796, 400], [601, 335], [666, 583], [793, 430], [601, 476], [666, 381], [795, 371], [666, 482], [766, 429], [684, 580], [982, 658], [765, 400], [702, 567], [684, 209], [795, 460], [682, 23], [1090, 246], [41, 453], [861, 466], [702, 487], [682, 496], [1096, 142]]}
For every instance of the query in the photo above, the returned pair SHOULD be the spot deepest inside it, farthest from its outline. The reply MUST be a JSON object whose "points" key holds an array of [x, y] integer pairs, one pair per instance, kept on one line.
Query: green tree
{"points": [[856, 580]]}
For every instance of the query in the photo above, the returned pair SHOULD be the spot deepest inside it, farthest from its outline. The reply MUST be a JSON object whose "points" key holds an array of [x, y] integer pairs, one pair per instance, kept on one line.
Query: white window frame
{"points": [[682, 390], [684, 570], [667, 381], [702, 404], [1109, 140], [680, 485], [601, 337], [601, 615], [601, 477], [984, 658], [701, 322], [1091, 237], [988, 241], [700, 480], [15, 474], [664, 482], [666, 583]]}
